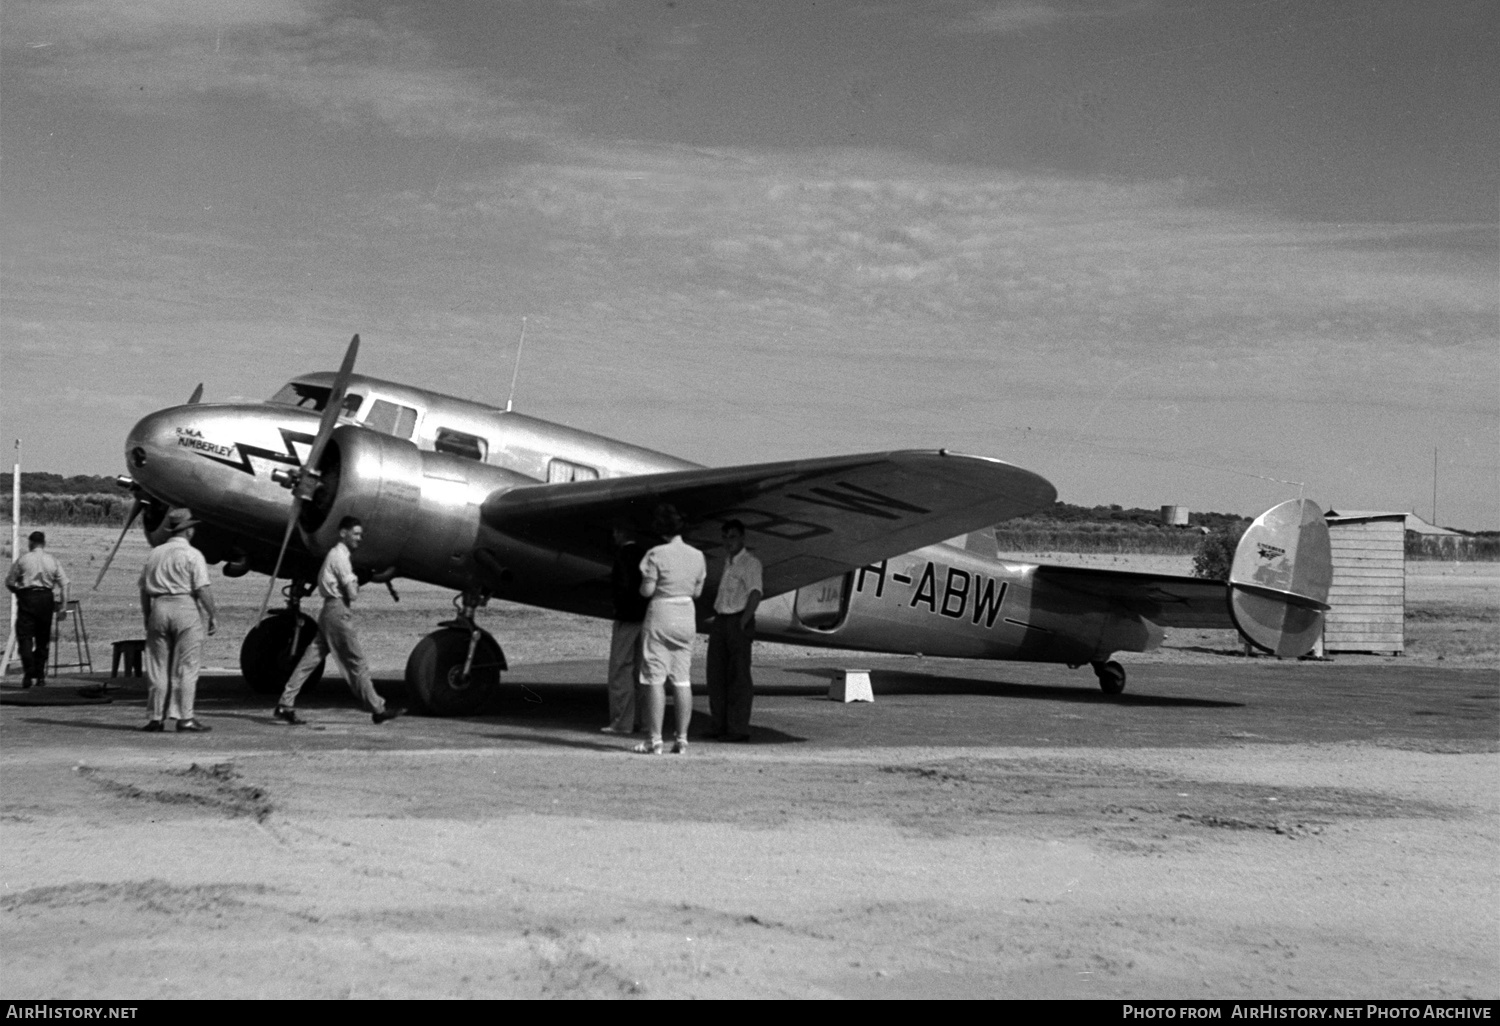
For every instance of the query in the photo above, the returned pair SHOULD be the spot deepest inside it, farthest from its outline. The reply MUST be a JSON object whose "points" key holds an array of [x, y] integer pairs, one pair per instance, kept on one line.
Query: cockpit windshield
{"points": [[314, 398]]}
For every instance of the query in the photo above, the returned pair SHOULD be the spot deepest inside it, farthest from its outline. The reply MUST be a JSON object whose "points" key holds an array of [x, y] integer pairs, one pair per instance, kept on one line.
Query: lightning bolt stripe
{"points": [[287, 458]]}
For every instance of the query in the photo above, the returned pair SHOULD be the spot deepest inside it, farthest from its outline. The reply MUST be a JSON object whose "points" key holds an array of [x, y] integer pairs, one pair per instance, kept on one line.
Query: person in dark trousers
{"points": [[625, 638], [339, 587], [730, 637], [37, 580]]}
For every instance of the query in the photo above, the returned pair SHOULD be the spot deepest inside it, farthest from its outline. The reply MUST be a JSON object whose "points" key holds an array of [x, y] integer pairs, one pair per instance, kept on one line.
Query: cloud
{"points": [[1008, 18], [101, 23], [345, 69], [1053, 285], [1017, 17]]}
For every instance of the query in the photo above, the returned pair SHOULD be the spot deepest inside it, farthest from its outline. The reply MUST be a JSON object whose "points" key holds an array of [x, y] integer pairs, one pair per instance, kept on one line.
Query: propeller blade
{"points": [[307, 482], [196, 396], [335, 406], [291, 525], [135, 511]]}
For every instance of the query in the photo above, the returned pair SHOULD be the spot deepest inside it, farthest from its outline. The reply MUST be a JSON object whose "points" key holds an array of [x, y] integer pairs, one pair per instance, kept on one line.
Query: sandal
{"points": [[679, 747], [648, 748]]}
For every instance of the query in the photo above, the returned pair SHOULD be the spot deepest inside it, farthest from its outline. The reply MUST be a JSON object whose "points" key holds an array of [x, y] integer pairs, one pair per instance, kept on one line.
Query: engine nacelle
{"points": [[420, 510]]}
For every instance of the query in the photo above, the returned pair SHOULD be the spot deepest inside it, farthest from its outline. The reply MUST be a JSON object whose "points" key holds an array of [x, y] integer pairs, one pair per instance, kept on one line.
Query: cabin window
{"points": [[314, 398], [470, 447], [391, 419], [562, 470]]}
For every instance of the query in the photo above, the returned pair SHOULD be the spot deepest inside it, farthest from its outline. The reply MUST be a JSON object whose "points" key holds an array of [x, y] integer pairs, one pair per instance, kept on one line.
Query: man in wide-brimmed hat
{"points": [[175, 596]]}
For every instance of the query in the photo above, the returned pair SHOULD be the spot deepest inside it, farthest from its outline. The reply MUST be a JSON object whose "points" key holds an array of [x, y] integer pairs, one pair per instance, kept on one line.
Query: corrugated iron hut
{"points": [[1368, 594]]}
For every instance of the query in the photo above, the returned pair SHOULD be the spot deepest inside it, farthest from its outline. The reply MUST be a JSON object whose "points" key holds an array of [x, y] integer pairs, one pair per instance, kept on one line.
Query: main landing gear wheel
{"points": [[1111, 677], [435, 679], [267, 657]]}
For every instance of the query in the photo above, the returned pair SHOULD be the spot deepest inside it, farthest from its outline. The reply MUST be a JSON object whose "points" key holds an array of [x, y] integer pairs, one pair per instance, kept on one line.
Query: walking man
{"points": [[175, 594], [625, 638], [339, 588], [36, 579], [730, 637]]}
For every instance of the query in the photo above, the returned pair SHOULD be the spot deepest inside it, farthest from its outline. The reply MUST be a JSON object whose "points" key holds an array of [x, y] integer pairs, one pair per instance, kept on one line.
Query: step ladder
{"points": [[71, 611]]}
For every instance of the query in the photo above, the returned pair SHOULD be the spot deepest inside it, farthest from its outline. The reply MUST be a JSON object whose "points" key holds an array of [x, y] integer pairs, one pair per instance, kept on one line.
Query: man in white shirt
{"points": [[339, 587], [40, 586], [175, 593], [730, 637]]}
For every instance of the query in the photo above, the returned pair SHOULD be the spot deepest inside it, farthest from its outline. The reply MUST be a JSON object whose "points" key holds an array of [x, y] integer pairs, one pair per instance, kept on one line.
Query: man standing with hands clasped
{"points": [[174, 588], [339, 588], [730, 637]]}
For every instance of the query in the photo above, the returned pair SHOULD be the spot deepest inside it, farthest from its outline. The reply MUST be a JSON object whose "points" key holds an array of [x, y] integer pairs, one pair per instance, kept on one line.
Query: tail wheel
{"points": [[268, 655], [435, 679], [1111, 677]]}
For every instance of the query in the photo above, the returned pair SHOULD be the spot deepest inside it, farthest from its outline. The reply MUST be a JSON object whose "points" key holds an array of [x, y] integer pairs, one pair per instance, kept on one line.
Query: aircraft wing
{"points": [[807, 520], [1164, 599]]}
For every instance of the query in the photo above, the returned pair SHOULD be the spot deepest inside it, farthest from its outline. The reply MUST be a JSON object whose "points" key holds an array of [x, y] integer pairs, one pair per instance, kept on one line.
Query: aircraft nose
{"points": [[152, 436]]}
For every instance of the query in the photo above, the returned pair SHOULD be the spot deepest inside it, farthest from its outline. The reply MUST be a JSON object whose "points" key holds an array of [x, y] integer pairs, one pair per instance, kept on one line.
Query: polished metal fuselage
{"points": [[945, 600], [218, 459]]}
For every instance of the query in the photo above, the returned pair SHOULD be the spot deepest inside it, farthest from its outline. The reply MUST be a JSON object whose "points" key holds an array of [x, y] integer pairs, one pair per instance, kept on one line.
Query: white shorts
{"points": [[667, 642]]}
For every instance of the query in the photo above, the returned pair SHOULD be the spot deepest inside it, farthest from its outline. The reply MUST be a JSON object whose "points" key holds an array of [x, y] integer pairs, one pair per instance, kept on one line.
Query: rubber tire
{"points": [[1111, 677], [266, 658], [433, 668]]}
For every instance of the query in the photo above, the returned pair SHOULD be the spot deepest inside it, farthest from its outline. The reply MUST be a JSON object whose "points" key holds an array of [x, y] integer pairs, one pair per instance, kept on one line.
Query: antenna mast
{"points": [[15, 553], [517, 371]]}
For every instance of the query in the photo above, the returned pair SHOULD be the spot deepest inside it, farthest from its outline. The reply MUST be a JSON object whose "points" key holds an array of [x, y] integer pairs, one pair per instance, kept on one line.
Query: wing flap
{"points": [[806, 520]]}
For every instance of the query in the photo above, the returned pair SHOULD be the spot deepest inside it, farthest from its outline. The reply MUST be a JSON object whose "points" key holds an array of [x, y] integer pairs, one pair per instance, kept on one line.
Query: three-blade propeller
{"points": [[305, 484]]}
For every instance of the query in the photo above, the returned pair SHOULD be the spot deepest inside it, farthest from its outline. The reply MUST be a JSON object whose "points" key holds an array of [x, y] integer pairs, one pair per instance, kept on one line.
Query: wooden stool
{"points": [[131, 652]]}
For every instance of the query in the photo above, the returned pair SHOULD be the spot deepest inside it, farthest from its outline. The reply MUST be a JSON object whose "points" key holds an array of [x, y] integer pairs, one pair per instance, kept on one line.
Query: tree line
{"points": [[85, 499]]}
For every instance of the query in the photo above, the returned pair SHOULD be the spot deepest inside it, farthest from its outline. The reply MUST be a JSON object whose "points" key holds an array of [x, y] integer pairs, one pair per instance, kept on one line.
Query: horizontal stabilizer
{"points": [[1278, 583]]}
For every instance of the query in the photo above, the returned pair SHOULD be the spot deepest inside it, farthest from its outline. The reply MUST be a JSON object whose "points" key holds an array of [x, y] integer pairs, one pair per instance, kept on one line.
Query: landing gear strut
{"points": [[1111, 677], [274, 646], [453, 671]]}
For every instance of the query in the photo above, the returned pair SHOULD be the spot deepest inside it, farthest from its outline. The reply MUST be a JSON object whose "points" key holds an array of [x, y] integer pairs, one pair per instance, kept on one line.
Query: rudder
{"points": [[1278, 583]]}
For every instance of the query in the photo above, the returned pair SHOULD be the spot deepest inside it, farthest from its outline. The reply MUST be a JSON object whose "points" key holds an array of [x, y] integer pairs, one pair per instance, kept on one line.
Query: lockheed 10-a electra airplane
{"points": [[882, 552]]}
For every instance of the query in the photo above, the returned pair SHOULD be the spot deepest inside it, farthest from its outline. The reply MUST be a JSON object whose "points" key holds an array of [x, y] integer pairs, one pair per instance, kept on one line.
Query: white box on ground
{"points": [[851, 686]]}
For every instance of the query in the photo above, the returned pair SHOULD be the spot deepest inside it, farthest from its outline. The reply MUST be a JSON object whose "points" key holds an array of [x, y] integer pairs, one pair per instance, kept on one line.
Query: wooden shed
{"points": [[1368, 594]]}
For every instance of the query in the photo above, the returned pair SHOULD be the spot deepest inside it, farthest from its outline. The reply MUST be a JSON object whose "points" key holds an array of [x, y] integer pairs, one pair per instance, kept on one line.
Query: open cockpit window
{"points": [[314, 398], [470, 447]]}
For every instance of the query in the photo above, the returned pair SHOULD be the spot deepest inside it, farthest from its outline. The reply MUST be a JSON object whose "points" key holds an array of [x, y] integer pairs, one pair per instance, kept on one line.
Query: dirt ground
{"points": [[1227, 828]]}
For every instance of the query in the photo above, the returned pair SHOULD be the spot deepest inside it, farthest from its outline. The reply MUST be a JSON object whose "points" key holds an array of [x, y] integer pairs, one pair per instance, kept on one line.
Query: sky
{"points": [[1159, 251]]}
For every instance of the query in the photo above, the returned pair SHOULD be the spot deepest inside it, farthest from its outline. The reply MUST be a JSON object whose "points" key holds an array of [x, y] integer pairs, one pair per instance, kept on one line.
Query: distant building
{"points": [[1417, 525], [1174, 516], [1368, 593]]}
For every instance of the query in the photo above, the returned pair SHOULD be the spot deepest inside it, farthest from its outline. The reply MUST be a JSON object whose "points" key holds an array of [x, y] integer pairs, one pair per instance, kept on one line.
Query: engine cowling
{"points": [[420, 510]]}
